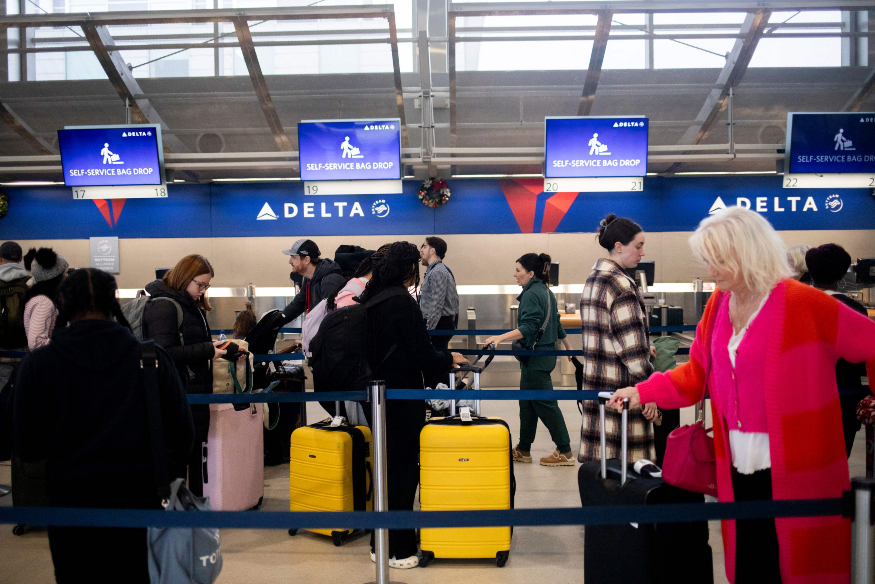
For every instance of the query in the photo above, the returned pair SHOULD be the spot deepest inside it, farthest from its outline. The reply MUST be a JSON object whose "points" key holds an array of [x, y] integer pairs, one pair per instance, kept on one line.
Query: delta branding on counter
{"points": [[350, 149], [831, 143], [595, 147], [109, 156], [486, 206]]}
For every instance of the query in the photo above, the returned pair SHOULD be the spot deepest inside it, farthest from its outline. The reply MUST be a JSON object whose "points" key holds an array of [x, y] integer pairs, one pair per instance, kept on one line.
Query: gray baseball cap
{"points": [[303, 247]]}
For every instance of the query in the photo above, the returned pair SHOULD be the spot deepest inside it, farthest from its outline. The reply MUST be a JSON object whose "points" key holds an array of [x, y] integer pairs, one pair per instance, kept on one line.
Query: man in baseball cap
{"points": [[321, 277]]}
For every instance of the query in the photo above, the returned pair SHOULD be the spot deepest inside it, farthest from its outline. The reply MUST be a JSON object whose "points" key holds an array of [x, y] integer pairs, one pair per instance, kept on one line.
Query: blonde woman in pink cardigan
{"points": [[766, 351]]}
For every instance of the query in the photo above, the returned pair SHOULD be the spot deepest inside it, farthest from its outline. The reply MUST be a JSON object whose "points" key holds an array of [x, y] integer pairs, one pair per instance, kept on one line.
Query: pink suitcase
{"points": [[234, 477]]}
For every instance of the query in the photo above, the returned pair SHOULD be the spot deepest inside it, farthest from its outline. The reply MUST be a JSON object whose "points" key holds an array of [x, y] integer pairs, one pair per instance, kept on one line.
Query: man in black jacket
{"points": [[321, 277]]}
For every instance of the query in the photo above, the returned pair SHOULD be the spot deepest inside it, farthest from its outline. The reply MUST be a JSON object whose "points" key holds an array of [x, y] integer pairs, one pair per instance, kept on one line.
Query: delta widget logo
{"points": [[834, 203], [380, 208]]}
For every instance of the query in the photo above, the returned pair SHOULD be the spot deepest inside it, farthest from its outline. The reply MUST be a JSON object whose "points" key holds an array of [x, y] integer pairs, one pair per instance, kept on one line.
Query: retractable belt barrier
{"points": [[596, 515]]}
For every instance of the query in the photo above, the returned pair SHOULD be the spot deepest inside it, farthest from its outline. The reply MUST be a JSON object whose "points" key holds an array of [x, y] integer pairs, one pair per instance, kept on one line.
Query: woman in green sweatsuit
{"points": [[536, 303]]}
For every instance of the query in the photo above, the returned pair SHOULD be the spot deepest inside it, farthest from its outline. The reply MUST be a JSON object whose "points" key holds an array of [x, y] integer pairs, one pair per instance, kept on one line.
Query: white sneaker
{"points": [[404, 564]]}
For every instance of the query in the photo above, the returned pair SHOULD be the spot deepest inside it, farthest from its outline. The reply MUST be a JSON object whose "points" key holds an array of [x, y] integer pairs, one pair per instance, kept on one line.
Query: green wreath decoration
{"points": [[4, 204], [434, 192]]}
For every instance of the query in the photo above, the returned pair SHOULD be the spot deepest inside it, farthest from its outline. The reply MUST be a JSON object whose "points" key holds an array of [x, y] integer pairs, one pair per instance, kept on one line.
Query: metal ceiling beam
{"points": [[11, 119], [197, 16], [396, 71], [244, 36], [648, 6], [596, 58], [861, 95], [451, 65], [124, 83], [733, 71]]}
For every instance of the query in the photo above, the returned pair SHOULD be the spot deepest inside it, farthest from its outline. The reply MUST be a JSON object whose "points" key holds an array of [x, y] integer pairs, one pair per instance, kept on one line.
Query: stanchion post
{"points": [[863, 533], [377, 392]]}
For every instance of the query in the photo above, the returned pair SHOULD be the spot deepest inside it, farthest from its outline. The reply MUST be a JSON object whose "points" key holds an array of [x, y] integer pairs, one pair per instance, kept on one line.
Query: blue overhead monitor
{"points": [[595, 147], [830, 143], [111, 156], [350, 149]]}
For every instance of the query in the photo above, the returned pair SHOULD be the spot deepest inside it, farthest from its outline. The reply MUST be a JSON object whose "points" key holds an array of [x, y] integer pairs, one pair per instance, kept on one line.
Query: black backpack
{"points": [[339, 351], [12, 295]]}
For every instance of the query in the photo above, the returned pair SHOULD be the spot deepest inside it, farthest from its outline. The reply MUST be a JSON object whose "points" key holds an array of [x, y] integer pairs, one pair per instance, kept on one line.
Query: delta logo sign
{"points": [[111, 209], [522, 197]]}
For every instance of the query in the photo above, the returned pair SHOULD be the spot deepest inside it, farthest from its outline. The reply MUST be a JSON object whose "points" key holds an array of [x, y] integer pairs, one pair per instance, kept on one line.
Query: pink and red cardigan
{"points": [[808, 332]]}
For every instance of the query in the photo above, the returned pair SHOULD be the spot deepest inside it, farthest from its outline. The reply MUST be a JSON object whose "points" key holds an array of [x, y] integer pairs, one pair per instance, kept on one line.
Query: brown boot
{"points": [[520, 456], [558, 459]]}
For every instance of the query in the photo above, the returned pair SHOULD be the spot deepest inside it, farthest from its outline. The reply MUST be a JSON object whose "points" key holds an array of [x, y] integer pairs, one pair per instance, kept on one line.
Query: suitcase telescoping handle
{"points": [[465, 369], [604, 397]]}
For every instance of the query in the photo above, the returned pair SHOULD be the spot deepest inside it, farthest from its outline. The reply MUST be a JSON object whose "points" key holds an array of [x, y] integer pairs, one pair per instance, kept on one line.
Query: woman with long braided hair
{"points": [[399, 352], [80, 406]]}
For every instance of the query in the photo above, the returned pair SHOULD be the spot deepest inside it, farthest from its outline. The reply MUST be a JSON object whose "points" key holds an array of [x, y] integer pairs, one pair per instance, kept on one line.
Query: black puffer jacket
{"points": [[193, 357]]}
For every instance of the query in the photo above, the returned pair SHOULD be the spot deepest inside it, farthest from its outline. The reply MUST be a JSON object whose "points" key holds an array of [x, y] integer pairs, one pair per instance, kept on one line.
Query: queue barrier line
{"points": [[595, 515], [276, 398], [538, 352], [468, 333]]}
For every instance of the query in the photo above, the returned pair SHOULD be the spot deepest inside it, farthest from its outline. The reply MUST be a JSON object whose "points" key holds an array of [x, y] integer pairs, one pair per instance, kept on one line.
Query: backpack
{"points": [[135, 310], [317, 315], [340, 349], [12, 295]]}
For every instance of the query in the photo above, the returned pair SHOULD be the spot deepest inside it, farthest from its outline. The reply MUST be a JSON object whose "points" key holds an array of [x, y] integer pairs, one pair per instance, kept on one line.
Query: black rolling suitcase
{"points": [[670, 553], [292, 415], [28, 488]]}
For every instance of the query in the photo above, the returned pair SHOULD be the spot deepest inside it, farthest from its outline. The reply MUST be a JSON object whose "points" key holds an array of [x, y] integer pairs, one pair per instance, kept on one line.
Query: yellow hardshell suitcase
{"points": [[465, 466], [331, 470]]}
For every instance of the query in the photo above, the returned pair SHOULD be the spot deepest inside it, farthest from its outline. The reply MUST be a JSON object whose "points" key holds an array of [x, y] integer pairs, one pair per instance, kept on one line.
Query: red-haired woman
{"points": [[189, 343]]}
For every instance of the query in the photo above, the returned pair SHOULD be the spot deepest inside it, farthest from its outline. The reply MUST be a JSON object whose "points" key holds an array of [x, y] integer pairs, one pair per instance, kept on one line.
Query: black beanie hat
{"points": [[828, 263]]}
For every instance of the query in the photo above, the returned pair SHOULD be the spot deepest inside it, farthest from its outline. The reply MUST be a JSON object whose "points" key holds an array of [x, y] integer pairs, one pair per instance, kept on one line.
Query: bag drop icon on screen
{"points": [[108, 156]]}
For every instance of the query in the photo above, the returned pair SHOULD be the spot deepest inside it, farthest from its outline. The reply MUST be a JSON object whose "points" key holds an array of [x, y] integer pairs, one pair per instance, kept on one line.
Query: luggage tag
{"points": [[337, 421], [465, 414]]}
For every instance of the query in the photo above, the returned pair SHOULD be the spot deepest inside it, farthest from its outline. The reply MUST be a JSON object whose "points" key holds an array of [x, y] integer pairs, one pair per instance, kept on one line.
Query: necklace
{"points": [[743, 313]]}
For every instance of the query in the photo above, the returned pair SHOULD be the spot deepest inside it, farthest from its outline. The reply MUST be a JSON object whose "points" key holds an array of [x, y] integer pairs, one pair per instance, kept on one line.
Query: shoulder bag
{"points": [[520, 344], [176, 555]]}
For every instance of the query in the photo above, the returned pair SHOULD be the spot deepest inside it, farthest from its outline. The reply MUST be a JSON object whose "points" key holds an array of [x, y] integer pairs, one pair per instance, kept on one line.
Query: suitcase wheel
{"points": [[257, 505], [501, 558], [337, 536], [19, 530], [293, 532], [426, 558]]}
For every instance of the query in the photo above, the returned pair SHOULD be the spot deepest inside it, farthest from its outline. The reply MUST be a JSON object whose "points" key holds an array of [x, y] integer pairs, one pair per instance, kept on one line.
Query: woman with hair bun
{"points": [[616, 346], [537, 307]]}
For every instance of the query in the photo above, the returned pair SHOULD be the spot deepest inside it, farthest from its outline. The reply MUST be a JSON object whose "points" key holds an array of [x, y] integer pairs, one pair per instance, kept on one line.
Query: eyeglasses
{"points": [[201, 286]]}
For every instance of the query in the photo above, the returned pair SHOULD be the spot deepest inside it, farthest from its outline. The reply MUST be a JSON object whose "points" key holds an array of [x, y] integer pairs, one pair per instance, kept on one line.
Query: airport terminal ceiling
{"points": [[472, 82]]}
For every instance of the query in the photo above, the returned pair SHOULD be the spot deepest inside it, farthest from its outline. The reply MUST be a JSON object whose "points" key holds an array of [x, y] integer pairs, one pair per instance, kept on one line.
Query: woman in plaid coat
{"points": [[616, 347]]}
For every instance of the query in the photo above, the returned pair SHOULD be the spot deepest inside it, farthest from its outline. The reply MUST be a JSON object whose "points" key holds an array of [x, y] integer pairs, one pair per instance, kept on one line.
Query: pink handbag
{"points": [[689, 462]]}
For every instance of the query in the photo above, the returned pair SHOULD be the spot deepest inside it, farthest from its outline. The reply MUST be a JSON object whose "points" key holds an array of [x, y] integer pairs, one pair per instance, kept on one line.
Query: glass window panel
{"points": [[813, 52], [624, 55], [699, 18], [529, 56], [806, 16], [674, 55]]}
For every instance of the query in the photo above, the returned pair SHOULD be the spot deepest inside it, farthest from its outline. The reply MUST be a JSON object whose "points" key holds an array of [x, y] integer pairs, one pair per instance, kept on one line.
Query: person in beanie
{"points": [[321, 277], [827, 265], [41, 305]]}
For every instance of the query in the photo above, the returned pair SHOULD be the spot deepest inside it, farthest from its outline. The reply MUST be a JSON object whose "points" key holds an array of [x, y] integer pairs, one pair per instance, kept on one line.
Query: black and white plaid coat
{"points": [[616, 354]]}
